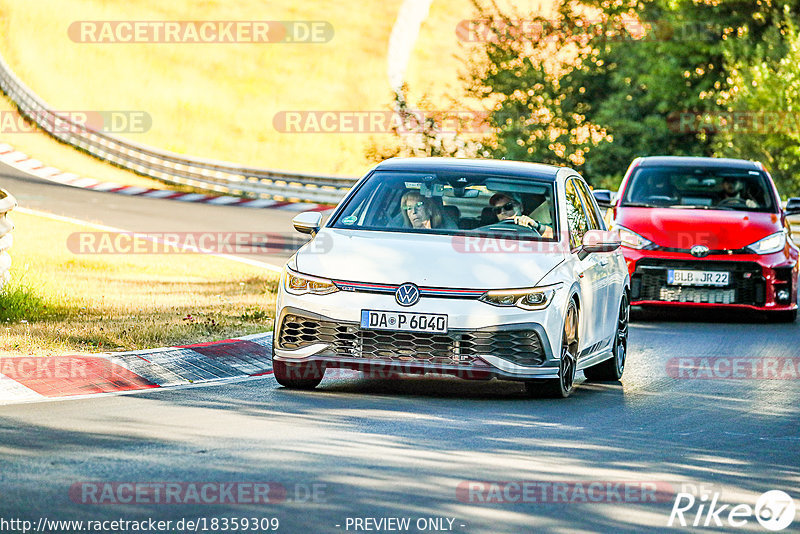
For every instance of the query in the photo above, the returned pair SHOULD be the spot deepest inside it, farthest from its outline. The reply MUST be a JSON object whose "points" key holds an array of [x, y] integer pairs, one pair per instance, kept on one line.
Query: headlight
{"points": [[534, 298], [300, 284], [632, 239], [772, 243]]}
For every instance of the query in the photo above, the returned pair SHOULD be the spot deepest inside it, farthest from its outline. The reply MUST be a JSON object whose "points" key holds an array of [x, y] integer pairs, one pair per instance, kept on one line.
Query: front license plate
{"points": [[680, 277], [404, 321]]}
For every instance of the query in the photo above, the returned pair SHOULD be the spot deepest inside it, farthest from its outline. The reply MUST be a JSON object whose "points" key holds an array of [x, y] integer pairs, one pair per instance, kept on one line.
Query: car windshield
{"points": [[699, 188], [454, 203]]}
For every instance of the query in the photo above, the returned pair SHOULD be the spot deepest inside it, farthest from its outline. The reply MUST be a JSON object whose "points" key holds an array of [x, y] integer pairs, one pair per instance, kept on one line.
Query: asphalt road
{"points": [[380, 448], [155, 216]]}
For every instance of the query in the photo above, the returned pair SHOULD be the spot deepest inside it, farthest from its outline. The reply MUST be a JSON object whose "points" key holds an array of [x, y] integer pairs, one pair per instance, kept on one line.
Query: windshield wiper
{"points": [[638, 205]]}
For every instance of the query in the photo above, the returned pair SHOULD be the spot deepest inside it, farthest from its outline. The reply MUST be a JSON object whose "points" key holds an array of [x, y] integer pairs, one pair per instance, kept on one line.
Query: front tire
{"points": [[562, 386], [611, 369], [306, 375]]}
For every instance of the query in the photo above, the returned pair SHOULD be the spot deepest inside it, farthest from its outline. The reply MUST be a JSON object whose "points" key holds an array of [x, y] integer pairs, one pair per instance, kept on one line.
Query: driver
{"points": [[420, 212], [506, 207], [732, 192]]}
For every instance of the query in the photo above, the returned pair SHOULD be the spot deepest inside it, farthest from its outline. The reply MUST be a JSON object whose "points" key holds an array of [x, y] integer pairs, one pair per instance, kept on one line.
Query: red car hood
{"points": [[684, 228]]}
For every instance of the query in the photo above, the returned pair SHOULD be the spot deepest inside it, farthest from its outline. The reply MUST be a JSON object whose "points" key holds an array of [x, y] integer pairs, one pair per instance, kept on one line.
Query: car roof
{"points": [[686, 161], [484, 166]]}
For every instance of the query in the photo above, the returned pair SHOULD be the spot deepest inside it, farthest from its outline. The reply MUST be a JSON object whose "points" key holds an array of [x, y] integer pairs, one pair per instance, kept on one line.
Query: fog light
{"points": [[783, 295]]}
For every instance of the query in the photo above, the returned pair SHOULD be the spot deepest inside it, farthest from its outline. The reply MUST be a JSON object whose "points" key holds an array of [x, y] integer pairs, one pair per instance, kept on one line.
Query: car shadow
{"points": [[710, 315]]}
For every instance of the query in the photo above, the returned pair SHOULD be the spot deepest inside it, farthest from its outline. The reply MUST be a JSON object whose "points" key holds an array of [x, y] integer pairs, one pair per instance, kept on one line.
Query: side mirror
{"points": [[793, 206], [604, 197], [599, 241], [308, 222]]}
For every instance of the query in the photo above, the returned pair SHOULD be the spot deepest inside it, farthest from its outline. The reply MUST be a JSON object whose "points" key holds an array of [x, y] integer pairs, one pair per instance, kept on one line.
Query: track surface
{"points": [[401, 447], [138, 214]]}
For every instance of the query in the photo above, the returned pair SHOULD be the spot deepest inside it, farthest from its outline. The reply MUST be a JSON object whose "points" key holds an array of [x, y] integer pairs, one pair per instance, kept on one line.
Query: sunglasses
{"points": [[414, 207], [508, 206]]}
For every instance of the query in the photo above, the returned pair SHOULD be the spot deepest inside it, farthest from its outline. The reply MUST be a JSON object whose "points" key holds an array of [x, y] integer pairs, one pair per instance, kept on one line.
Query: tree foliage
{"points": [[603, 83]]}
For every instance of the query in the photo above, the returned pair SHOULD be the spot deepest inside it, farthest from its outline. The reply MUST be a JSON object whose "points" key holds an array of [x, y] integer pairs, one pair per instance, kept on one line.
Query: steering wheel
{"points": [[508, 225], [733, 202]]}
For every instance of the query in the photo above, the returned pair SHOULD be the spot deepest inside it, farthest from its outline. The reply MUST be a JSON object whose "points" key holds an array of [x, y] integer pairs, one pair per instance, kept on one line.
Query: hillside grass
{"points": [[212, 100], [58, 302], [218, 101]]}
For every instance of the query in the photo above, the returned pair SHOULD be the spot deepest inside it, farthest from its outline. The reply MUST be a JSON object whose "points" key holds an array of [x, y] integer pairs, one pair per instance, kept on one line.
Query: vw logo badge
{"points": [[699, 251], [407, 294]]}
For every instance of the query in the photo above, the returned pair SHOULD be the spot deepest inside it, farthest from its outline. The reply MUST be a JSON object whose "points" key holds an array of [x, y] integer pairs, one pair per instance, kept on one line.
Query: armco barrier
{"points": [[167, 166], [7, 203], [794, 221]]}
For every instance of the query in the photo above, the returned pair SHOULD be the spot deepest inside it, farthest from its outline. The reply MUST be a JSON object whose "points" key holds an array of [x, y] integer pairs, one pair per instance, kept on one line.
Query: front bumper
{"points": [[482, 341], [756, 280]]}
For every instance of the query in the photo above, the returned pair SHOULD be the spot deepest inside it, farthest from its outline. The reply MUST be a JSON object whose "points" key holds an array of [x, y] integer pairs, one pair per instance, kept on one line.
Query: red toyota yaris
{"points": [[701, 232]]}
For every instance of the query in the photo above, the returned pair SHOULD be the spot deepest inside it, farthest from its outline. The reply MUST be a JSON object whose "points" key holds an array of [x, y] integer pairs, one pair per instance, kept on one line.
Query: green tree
{"points": [[419, 133], [600, 87], [767, 96]]}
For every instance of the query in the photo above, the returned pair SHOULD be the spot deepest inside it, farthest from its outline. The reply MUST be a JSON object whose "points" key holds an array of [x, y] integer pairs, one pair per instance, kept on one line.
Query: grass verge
{"points": [[58, 302]]}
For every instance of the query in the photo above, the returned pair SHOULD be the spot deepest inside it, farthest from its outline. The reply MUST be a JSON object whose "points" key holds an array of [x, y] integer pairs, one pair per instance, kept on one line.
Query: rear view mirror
{"points": [[604, 198], [793, 206], [308, 222], [599, 241]]}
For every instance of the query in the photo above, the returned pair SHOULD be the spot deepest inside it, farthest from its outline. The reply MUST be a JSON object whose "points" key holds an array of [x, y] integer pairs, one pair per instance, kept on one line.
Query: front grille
{"points": [[747, 285], [711, 252], [523, 347]]}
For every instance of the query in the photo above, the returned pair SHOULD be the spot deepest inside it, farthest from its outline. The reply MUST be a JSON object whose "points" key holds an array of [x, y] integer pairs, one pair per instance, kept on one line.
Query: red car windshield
{"points": [[700, 188]]}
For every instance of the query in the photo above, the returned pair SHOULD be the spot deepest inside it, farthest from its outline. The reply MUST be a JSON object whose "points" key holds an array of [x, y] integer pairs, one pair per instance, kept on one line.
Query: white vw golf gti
{"points": [[475, 268]]}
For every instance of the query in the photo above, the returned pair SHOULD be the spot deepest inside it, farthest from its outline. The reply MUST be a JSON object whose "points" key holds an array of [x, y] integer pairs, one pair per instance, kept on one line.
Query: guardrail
{"points": [[207, 175], [794, 222], [7, 203]]}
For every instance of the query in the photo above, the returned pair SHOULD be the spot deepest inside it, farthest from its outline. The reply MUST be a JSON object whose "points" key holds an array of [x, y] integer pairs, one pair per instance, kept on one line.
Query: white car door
{"points": [[611, 284], [590, 273]]}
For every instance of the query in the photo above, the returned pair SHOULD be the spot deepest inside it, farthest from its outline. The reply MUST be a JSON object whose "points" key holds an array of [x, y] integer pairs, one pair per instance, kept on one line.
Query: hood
{"points": [[684, 228], [427, 260]]}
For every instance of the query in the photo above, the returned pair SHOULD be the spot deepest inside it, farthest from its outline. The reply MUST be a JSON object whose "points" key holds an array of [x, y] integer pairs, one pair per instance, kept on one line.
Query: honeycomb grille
{"points": [[520, 346], [523, 347]]}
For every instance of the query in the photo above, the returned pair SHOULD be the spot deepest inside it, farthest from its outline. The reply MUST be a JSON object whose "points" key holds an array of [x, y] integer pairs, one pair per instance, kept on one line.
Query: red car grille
{"points": [[747, 285]]}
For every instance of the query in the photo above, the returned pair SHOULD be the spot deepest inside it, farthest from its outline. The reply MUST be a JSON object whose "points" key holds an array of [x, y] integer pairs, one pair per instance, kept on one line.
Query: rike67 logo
{"points": [[774, 510]]}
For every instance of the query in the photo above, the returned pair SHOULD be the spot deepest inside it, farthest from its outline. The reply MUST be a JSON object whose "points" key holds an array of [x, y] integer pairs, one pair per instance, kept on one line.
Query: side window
{"points": [[578, 225], [595, 217]]}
